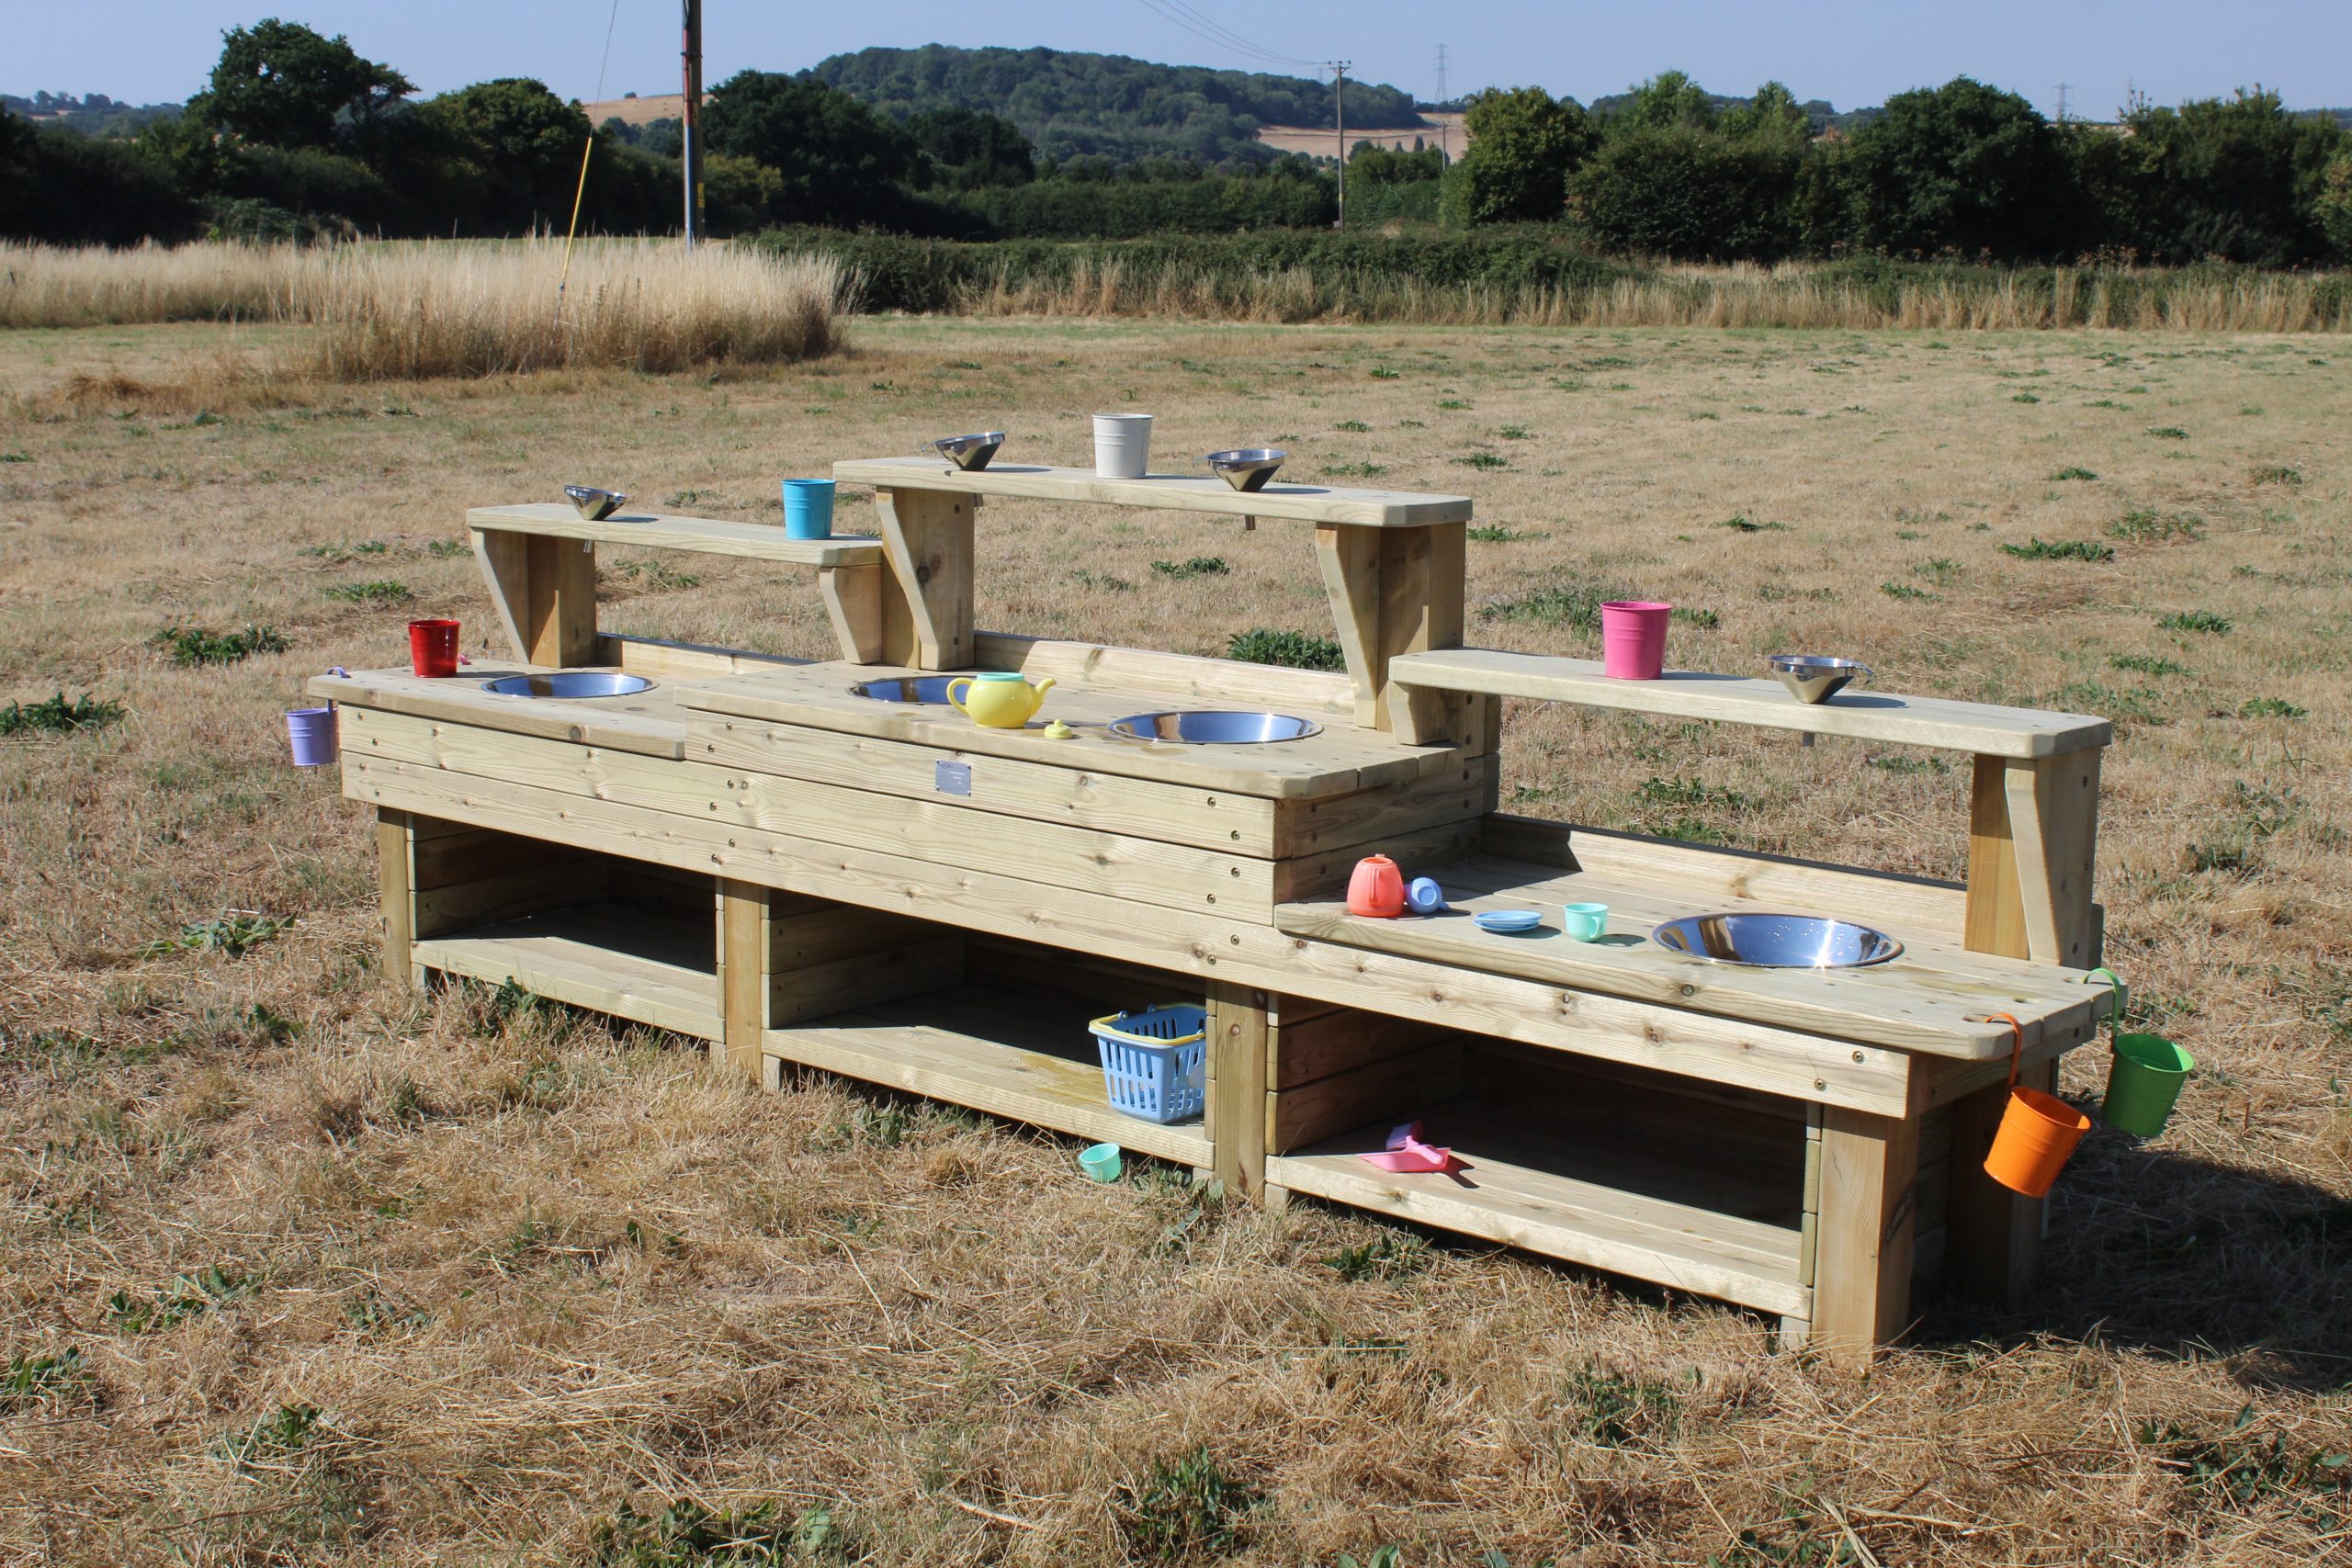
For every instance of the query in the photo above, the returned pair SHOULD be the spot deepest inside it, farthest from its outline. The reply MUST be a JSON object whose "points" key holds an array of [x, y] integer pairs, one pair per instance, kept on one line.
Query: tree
{"points": [[1773, 112], [839, 162], [968, 149], [2332, 210], [521, 145], [1692, 194], [283, 85], [1524, 145], [1666, 100], [1961, 169], [2237, 178]]}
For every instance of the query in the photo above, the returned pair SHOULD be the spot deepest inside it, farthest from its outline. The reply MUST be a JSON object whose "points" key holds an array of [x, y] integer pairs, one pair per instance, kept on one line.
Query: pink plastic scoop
{"points": [[1406, 1153]]}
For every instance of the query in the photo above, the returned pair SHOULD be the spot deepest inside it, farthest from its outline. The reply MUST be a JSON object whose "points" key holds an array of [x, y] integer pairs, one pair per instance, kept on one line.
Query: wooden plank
{"points": [[1350, 562], [1240, 1031], [1992, 1235], [1233, 824], [2053, 825], [1421, 608], [660, 890], [664, 658], [489, 899], [1215, 682], [600, 957], [1862, 1289], [853, 597], [1324, 875], [1932, 1000], [982, 1047], [647, 723], [927, 535], [1349, 1098], [1147, 869], [663, 531], [744, 977], [1172, 493], [1995, 909], [1337, 1039], [1683, 694], [1777, 1061], [545, 593], [827, 932], [1339, 759], [1537, 1207], [1919, 905], [817, 990], [476, 854], [396, 889]]}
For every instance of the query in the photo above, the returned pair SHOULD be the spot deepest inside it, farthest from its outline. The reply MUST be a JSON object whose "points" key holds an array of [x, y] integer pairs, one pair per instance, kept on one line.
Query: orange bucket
{"points": [[2038, 1131]]}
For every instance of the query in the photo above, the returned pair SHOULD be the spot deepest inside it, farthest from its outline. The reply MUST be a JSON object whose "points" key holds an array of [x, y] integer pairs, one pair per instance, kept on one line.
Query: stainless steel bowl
{"points": [[1777, 942], [1812, 677], [1247, 467], [1214, 727], [570, 684], [594, 504], [907, 689], [970, 452]]}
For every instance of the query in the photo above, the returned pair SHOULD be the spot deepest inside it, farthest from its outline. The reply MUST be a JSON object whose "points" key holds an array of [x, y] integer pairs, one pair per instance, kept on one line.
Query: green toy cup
{"points": [[1099, 1161], [2144, 1081]]}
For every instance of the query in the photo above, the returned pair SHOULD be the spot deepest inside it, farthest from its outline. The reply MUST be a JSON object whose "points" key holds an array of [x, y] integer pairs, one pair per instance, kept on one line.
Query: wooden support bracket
{"points": [[854, 602], [1396, 592], [927, 609], [544, 592]]}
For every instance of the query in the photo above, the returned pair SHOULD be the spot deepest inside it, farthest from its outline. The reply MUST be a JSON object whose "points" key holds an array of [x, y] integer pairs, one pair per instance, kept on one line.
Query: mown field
{"points": [[296, 1267]]}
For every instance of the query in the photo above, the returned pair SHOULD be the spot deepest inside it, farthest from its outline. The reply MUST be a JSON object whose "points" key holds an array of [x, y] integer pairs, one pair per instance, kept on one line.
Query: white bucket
{"points": [[1122, 446]]}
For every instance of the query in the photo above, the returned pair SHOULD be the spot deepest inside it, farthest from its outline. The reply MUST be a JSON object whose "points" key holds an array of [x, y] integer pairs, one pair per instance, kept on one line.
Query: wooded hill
{"points": [[1108, 106]]}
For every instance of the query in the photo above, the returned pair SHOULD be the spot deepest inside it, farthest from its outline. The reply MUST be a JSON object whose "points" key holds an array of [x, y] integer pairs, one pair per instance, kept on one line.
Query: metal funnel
{"points": [[594, 504], [1812, 677], [970, 453], [1247, 467]]}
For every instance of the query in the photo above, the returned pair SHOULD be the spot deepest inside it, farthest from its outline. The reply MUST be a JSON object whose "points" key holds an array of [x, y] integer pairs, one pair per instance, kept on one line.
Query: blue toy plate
{"points": [[1509, 922]]}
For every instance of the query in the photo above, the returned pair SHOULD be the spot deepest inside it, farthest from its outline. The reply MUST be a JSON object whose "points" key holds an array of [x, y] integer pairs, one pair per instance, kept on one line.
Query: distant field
{"points": [[1441, 129], [637, 111], [301, 1268]]}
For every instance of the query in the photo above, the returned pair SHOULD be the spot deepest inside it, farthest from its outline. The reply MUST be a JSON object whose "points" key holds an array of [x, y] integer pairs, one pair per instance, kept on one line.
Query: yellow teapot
{"points": [[999, 699]]}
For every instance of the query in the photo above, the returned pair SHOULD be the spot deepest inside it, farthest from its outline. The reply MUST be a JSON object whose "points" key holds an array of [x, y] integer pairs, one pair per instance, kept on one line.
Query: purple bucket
{"points": [[313, 733]]}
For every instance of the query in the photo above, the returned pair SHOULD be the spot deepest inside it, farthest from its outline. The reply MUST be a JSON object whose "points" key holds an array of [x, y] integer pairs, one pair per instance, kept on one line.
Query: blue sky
{"points": [[1846, 52]]}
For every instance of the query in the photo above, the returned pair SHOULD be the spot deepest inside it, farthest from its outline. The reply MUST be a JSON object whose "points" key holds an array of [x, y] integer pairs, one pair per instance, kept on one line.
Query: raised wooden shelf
{"points": [[1934, 998], [1981, 727], [985, 1046], [662, 531], [1622, 1208], [608, 958], [1176, 492]]}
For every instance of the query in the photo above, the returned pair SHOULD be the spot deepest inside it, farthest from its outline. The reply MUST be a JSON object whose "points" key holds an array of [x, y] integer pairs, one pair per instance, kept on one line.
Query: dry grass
{"points": [[1792, 294], [525, 1269], [398, 312]]}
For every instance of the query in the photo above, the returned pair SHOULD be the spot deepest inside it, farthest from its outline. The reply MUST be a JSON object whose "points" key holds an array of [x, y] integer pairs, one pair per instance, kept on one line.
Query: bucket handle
{"points": [[2017, 1044], [2115, 1015]]}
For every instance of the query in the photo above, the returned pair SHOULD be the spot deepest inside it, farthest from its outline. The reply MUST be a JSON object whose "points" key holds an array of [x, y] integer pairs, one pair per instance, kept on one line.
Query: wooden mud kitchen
{"points": [[828, 864]]}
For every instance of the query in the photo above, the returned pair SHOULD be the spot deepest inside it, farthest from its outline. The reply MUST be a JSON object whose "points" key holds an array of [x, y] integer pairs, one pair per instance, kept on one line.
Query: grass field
{"points": [[298, 1268]]}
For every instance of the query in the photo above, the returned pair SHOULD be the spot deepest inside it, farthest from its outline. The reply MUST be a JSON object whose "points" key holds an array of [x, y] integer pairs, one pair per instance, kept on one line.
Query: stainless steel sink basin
{"points": [[570, 684], [1777, 942], [1214, 727], [907, 689]]}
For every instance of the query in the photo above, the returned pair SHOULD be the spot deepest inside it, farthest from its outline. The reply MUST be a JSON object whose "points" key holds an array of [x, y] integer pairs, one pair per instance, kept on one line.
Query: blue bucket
{"points": [[808, 509]]}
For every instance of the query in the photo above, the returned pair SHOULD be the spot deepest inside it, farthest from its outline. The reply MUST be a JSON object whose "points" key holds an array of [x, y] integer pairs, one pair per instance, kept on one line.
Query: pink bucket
{"points": [[1632, 639]]}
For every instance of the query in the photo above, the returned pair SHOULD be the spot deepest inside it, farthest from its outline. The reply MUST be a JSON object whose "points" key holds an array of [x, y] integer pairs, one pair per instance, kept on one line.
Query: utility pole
{"points": [[1340, 108], [690, 134]]}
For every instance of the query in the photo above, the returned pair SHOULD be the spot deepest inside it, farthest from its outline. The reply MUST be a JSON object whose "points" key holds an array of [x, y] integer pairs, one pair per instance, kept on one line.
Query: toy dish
{"points": [[1509, 922]]}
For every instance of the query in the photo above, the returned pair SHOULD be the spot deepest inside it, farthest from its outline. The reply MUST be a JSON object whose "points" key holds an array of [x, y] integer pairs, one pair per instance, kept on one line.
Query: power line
{"points": [[1225, 39]]}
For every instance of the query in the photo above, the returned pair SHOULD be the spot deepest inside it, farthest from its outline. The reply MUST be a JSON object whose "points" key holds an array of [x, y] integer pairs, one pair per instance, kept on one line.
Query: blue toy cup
{"points": [[808, 509], [1586, 922]]}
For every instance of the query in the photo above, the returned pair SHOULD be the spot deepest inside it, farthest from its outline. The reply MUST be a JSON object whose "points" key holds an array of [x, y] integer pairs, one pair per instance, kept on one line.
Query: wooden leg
{"points": [[545, 592], [1236, 1087], [1992, 1235], [2033, 828], [853, 601], [396, 886], [745, 944], [927, 609], [1862, 1289], [1397, 590], [1350, 558]]}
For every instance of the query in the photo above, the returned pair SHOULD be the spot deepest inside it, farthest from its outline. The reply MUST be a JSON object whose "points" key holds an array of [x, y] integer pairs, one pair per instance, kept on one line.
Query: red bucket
{"points": [[432, 647]]}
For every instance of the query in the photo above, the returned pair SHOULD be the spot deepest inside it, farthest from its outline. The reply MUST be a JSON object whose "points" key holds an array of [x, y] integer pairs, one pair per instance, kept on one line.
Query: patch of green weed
{"points": [[190, 647], [57, 716], [1296, 651], [2061, 549], [377, 590], [1194, 566], [1185, 1508]]}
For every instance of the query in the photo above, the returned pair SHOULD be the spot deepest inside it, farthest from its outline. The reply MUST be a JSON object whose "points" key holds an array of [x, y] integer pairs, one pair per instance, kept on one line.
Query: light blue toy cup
{"points": [[808, 509], [1099, 1161], [1586, 922]]}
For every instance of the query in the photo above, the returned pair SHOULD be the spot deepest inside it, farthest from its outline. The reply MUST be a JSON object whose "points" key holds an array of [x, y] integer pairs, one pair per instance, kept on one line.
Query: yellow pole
{"points": [[578, 195]]}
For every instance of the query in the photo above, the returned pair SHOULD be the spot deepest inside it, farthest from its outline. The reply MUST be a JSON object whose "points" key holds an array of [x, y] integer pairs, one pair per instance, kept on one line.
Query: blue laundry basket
{"points": [[1155, 1063]]}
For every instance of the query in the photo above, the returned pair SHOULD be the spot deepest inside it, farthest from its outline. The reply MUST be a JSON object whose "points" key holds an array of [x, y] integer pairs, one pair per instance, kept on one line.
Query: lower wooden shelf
{"points": [[611, 958], [986, 1047], [1612, 1206]]}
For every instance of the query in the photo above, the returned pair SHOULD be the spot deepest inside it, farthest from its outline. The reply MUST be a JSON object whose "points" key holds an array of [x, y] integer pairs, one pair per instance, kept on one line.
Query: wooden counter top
{"points": [[1190, 492], [1934, 998], [1339, 760], [647, 723]]}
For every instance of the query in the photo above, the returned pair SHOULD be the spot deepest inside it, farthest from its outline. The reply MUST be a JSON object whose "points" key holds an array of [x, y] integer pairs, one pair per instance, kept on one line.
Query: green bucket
{"points": [[2145, 1077]]}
